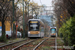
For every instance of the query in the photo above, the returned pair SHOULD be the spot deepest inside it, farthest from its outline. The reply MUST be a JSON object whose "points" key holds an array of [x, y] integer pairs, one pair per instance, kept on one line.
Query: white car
{"points": [[19, 34], [0, 32], [9, 33]]}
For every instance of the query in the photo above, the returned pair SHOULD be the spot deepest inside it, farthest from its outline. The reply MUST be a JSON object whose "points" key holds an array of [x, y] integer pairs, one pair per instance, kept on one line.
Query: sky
{"points": [[43, 2]]}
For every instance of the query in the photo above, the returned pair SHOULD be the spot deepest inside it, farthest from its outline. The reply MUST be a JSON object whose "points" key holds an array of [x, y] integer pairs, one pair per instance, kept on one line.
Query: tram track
{"points": [[55, 43], [33, 44], [12, 45], [29, 45], [47, 44], [40, 44]]}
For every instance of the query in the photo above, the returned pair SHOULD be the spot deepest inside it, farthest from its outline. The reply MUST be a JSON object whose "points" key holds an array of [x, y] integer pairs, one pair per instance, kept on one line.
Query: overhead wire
{"points": [[44, 6], [41, 2], [41, 8]]}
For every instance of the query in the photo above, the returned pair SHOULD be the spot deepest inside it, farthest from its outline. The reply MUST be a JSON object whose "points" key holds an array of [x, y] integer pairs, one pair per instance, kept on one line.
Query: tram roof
{"points": [[52, 27], [35, 19]]}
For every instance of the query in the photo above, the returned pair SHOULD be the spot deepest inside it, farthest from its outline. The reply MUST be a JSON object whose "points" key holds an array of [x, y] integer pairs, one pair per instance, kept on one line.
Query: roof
{"points": [[35, 19], [52, 27]]}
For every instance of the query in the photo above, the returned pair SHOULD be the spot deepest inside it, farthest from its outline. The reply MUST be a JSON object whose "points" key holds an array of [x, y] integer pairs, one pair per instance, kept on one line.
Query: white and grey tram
{"points": [[53, 31], [35, 28]]}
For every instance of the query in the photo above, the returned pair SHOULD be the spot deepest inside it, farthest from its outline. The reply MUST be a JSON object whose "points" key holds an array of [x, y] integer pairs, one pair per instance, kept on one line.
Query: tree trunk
{"points": [[11, 28], [3, 31], [14, 32]]}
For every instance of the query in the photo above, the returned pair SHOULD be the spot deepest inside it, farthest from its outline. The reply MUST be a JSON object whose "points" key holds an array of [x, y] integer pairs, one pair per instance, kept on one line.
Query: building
{"points": [[47, 18], [7, 28]]}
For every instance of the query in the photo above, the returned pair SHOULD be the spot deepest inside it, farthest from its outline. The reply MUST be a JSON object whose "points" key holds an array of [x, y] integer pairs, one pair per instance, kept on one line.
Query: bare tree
{"points": [[5, 12], [64, 9]]}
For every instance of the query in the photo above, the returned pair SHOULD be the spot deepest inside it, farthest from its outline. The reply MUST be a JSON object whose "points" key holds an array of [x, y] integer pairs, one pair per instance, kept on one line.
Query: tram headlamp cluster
{"points": [[38, 32], [53, 34], [28, 32]]}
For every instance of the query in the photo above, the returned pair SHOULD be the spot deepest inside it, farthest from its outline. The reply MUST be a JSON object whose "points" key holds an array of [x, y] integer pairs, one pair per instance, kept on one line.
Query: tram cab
{"points": [[53, 31], [35, 28]]}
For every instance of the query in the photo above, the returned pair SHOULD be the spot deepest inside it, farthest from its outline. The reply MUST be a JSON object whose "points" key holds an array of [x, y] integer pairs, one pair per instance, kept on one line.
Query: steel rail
{"points": [[22, 45], [12, 43], [40, 43], [55, 43]]}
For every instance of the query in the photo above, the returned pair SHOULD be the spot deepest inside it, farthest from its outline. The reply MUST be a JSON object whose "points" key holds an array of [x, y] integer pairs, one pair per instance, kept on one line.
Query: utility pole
{"points": [[28, 8], [46, 13], [13, 22], [52, 21], [36, 13], [41, 11], [23, 22], [32, 11]]}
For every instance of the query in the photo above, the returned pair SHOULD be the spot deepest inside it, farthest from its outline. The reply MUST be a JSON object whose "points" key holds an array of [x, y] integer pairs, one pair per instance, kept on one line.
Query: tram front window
{"points": [[33, 26], [53, 30]]}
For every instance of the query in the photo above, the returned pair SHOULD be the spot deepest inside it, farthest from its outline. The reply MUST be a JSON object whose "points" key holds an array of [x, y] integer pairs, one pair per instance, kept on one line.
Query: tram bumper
{"points": [[53, 35], [34, 34]]}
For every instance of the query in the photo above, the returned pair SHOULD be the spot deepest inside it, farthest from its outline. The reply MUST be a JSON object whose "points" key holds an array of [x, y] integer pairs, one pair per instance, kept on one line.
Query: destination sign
{"points": [[34, 22]]}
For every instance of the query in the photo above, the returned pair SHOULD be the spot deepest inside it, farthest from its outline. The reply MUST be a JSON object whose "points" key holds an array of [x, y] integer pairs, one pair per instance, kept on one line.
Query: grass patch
{"points": [[35, 43], [59, 42], [46, 48], [3, 39]]}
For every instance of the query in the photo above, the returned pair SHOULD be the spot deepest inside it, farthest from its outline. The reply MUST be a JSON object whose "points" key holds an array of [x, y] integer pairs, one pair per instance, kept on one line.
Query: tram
{"points": [[53, 32], [35, 28]]}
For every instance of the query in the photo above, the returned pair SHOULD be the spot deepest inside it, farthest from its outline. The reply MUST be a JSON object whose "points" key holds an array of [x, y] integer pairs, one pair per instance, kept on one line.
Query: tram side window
{"points": [[42, 29]]}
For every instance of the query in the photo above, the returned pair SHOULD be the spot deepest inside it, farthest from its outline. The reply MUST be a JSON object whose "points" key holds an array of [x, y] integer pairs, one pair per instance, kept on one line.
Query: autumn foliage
{"points": [[65, 13]]}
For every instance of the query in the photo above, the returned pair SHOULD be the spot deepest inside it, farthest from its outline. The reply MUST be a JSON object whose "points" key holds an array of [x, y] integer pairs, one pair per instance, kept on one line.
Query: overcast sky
{"points": [[45, 2]]}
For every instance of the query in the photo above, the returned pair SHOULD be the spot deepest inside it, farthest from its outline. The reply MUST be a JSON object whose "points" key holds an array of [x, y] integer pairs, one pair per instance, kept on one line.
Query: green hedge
{"points": [[68, 31]]}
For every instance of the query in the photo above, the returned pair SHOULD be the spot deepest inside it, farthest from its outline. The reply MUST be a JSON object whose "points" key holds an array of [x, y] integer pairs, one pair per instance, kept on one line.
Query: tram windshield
{"points": [[53, 30], [33, 26]]}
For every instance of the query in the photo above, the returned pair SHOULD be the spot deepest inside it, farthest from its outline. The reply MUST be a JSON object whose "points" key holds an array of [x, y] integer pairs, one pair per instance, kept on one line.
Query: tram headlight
{"points": [[28, 32], [38, 32]]}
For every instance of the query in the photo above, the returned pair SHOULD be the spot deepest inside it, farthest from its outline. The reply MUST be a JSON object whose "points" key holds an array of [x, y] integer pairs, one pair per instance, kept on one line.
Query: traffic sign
{"points": [[0, 27], [16, 25], [0, 24]]}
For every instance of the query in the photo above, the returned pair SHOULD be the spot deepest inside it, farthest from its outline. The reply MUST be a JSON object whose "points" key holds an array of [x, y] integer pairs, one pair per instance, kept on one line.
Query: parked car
{"points": [[0, 32], [19, 35], [8, 34]]}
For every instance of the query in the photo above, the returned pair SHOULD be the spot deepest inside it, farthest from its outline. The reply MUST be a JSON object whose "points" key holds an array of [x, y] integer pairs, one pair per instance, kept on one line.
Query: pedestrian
{"points": [[7, 36]]}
